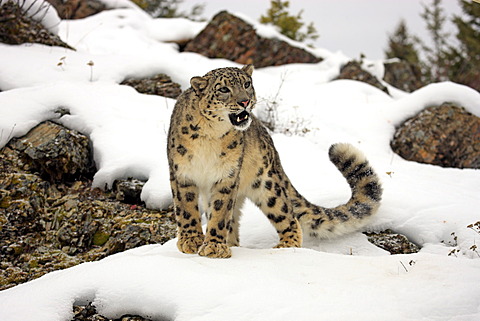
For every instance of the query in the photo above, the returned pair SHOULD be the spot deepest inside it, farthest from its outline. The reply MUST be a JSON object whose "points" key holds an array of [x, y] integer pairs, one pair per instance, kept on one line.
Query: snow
{"points": [[339, 279]]}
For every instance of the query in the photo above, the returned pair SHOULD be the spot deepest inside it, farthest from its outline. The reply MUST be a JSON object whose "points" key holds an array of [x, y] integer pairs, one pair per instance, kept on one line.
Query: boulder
{"points": [[353, 70], [17, 28], [128, 190], [403, 75], [88, 312], [229, 37], [392, 242], [50, 226], [160, 84], [445, 135], [56, 152], [77, 9]]}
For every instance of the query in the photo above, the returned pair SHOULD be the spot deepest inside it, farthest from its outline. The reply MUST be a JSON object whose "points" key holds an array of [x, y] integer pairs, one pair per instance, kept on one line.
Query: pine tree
{"points": [[464, 61], [288, 25], [436, 64], [402, 45]]}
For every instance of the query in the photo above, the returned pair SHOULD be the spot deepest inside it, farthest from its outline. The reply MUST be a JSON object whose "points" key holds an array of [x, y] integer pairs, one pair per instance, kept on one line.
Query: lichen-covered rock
{"points": [[17, 28], [49, 226], [128, 190], [89, 313], [403, 75], [56, 152], [353, 70], [392, 242], [161, 85], [446, 135], [229, 37], [77, 9]]}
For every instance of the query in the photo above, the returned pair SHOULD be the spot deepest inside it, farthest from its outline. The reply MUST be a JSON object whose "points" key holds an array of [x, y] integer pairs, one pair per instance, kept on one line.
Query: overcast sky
{"points": [[351, 26]]}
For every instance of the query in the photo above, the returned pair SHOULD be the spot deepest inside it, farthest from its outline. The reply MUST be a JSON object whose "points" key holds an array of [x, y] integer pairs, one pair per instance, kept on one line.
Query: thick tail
{"points": [[364, 202]]}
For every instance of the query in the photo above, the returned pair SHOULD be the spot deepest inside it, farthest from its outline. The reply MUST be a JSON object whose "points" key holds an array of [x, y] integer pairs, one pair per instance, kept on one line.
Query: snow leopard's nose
{"points": [[244, 103]]}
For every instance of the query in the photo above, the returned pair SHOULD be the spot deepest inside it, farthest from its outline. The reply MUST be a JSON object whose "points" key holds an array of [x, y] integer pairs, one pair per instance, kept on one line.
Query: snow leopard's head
{"points": [[227, 94]]}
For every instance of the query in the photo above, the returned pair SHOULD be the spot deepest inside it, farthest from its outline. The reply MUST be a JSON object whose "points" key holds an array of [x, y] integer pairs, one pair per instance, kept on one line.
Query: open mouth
{"points": [[240, 119]]}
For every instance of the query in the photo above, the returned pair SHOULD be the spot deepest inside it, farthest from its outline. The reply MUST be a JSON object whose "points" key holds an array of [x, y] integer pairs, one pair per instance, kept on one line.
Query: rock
{"points": [[403, 75], [77, 9], [229, 37], [447, 136], [17, 28], [392, 242], [353, 70], [161, 85], [24, 197], [128, 190], [47, 226], [56, 152], [89, 313]]}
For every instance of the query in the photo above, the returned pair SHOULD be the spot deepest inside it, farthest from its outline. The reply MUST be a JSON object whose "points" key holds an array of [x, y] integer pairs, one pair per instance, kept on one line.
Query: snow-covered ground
{"points": [[341, 279]]}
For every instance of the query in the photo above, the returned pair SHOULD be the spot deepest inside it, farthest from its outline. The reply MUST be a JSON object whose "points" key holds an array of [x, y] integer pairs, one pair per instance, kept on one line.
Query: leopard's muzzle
{"points": [[240, 120]]}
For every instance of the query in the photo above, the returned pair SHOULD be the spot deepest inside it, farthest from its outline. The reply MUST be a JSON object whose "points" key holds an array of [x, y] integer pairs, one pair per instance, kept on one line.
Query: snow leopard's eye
{"points": [[247, 85], [224, 90]]}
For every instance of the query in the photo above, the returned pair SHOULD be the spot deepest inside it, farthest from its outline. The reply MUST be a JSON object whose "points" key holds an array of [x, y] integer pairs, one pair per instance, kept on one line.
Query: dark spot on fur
{"points": [[217, 205], [316, 223], [186, 215], [194, 136], [256, 184], [276, 219], [181, 150], [271, 201], [190, 196], [347, 164], [230, 205], [232, 145], [373, 190], [260, 171], [360, 210], [337, 214], [278, 190], [225, 190], [213, 232], [285, 208], [268, 185], [185, 130]]}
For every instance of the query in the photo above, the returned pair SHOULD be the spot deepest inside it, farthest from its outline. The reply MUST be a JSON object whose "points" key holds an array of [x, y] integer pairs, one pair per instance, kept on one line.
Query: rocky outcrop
{"points": [[229, 37], [403, 75], [392, 242], [48, 224], [89, 313], [160, 84], [353, 70], [16, 27], [77, 9], [56, 152], [446, 135]]}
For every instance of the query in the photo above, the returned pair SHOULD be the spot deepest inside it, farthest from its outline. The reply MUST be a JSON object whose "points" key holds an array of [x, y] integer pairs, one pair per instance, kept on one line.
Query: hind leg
{"points": [[233, 238], [279, 211]]}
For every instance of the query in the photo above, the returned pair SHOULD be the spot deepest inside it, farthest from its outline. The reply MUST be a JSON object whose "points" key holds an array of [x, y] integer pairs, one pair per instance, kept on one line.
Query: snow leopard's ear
{"points": [[248, 69], [198, 84]]}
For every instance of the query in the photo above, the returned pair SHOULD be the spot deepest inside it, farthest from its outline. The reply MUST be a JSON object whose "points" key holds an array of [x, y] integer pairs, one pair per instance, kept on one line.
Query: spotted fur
{"points": [[220, 153]]}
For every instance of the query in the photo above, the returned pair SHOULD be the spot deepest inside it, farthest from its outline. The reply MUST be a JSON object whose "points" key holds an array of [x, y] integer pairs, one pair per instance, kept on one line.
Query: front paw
{"points": [[294, 242], [215, 250], [190, 244]]}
